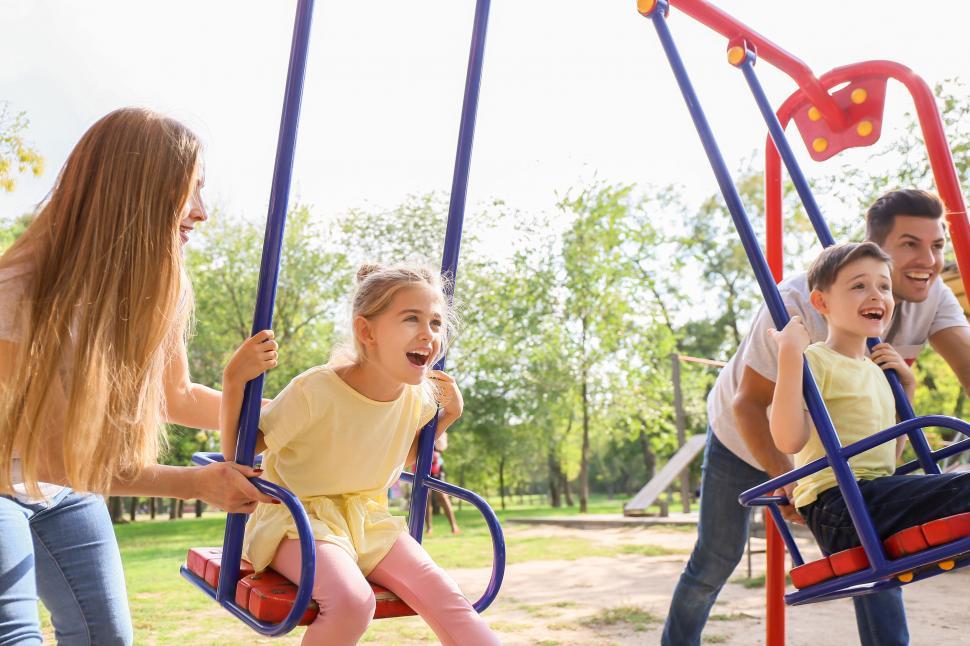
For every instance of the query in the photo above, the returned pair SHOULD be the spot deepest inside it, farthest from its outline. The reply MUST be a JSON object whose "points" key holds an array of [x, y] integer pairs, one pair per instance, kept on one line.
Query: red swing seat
{"points": [[903, 543], [269, 596]]}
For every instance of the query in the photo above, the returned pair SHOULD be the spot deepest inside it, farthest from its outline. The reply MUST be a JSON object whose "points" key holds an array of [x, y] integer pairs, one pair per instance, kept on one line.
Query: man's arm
{"points": [[953, 344], [750, 408]]}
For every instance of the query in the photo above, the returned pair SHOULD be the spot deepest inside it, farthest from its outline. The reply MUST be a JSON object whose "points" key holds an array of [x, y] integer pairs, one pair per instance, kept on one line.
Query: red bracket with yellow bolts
{"points": [[862, 102]]}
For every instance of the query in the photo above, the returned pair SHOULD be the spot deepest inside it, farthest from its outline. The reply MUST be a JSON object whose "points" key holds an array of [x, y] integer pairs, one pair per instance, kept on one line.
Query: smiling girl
{"points": [[338, 436]]}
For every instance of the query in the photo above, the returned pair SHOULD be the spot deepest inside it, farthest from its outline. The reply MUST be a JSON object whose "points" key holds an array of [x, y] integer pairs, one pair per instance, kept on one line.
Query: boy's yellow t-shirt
{"points": [[339, 452], [860, 403]]}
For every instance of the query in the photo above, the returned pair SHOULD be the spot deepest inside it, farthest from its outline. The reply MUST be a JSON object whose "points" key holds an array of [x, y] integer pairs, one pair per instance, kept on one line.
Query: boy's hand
{"points": [[793, 338], [449, 397], [886, 357], [255, 356]]}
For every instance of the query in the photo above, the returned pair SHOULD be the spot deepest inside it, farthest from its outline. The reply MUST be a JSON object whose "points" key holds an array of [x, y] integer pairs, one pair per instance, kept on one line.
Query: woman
{"points": [[94, 305]]}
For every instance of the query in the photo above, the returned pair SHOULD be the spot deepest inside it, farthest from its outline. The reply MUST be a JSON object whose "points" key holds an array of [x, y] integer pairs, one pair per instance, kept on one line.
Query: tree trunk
{"points": [[584, 453], [501, 481], [116, 508], [179, 507], [681, 432], [565, 488], [199, 508], [555, 477], [649, 459], [173, 508], [133, 509], [152, 504]]}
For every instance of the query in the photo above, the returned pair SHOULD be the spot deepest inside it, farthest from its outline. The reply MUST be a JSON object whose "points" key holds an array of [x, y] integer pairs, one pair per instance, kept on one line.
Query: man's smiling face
{"points": [[916, 246]]}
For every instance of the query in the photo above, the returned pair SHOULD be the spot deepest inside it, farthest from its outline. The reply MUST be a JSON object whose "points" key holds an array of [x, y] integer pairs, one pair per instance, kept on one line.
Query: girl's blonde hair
{"points": [[105, 306], [376, 286]]}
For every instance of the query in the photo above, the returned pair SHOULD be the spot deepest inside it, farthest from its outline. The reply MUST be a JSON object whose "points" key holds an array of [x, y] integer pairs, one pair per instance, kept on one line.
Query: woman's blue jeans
{"points": [[721, 536], [65, 552]]}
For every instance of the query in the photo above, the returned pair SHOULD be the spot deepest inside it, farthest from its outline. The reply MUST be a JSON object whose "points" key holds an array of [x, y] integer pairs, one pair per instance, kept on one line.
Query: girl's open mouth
{"points": [[418, 358]]}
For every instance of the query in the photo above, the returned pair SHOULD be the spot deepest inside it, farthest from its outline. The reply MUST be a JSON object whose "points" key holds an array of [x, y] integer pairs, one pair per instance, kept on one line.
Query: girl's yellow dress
{"points": [[339, 452]]}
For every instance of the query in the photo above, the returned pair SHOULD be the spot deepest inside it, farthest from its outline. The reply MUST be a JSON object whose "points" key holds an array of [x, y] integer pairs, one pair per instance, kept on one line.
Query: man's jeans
{"points": [[721, 536], [65, 551]]}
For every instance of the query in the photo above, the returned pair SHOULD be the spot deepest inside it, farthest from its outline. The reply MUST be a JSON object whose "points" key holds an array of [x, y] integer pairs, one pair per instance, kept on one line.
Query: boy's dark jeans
{"points": [[894, 503]]}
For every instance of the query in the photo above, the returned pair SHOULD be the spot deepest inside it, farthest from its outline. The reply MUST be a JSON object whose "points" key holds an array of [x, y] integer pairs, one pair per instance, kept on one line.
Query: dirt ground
{"points": [[583, 601]]}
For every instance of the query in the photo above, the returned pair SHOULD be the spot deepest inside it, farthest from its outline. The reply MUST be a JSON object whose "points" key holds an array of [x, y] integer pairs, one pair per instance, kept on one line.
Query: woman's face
{"points": [[193, 211]]}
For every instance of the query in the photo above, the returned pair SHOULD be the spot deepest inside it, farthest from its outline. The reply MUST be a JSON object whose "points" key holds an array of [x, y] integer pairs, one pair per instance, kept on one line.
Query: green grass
{"points": [[167, 610], [734, 616], [638, 618]]}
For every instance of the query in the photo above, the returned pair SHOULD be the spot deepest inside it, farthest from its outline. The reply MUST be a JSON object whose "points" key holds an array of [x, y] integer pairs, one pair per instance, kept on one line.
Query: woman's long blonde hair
{"points": [[105, 305]]}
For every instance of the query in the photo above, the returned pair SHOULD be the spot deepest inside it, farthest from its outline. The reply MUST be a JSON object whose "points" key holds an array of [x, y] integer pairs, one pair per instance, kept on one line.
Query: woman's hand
{"points": [[449, 397], [255, 356], [886, 357], [225, 485]]}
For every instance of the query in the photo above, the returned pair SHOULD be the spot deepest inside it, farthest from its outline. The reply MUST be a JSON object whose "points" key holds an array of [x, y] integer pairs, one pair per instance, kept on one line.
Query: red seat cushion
{"points": [[388, 604], [903, 543], [945, 530], [198, 557], [214, 566], [811, 573], [270, 596], [849, 561], [206, 562], [907, 541]]}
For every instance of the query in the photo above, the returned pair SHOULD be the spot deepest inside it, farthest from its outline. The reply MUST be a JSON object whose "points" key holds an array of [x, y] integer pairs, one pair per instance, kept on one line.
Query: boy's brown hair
{"points": [[909, 201], [825, 269]]}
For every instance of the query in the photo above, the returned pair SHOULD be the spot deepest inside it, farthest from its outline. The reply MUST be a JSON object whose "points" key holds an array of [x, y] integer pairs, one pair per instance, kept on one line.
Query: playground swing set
{"points": [[268, 602], [849, 116]]}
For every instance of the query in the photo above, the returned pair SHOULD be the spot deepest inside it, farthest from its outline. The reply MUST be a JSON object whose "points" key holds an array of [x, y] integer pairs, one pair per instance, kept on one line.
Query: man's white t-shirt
{"points": [[912, 325], [12, 285]]}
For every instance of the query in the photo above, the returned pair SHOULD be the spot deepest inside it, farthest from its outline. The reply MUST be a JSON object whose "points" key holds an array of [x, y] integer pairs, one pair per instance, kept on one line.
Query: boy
{"points": [[851, 287]]}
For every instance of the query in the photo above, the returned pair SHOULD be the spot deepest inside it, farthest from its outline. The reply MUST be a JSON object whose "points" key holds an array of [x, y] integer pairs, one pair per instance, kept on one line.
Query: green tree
{"points": [[595, 306], [17, 155]]}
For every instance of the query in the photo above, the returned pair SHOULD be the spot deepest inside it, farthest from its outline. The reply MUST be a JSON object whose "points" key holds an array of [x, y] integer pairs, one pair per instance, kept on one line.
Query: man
{"points": [[908, 225]]}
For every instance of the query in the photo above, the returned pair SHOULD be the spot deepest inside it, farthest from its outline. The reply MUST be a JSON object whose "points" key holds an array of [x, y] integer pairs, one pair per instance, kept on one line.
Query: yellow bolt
{"points": [[814, 114], [736, 55], [947, 565], [864, 129], [820, 144], [859, 96], [905, 577], [646, 6]]}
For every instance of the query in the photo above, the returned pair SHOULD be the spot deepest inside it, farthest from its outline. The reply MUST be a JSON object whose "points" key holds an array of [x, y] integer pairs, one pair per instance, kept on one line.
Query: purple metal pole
{"points": [[268, 274], [773, 301], [449, 260]]}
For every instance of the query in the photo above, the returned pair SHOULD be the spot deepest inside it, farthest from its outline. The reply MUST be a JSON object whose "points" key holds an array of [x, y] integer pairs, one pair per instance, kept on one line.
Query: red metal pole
{"points": [[774, 227], [728, 26], [774, 584]]}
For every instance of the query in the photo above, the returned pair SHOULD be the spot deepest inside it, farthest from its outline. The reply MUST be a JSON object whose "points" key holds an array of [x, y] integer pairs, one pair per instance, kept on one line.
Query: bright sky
{"points": [[572, 89]]}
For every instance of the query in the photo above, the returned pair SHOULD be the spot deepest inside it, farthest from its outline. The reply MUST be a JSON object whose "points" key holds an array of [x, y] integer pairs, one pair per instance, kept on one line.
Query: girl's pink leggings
{"points": [[347, 602]]}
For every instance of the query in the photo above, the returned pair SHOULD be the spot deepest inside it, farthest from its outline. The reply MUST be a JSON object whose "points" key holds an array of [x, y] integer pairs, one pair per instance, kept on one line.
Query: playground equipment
{"points": [[849, 116], [267, 602]]}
